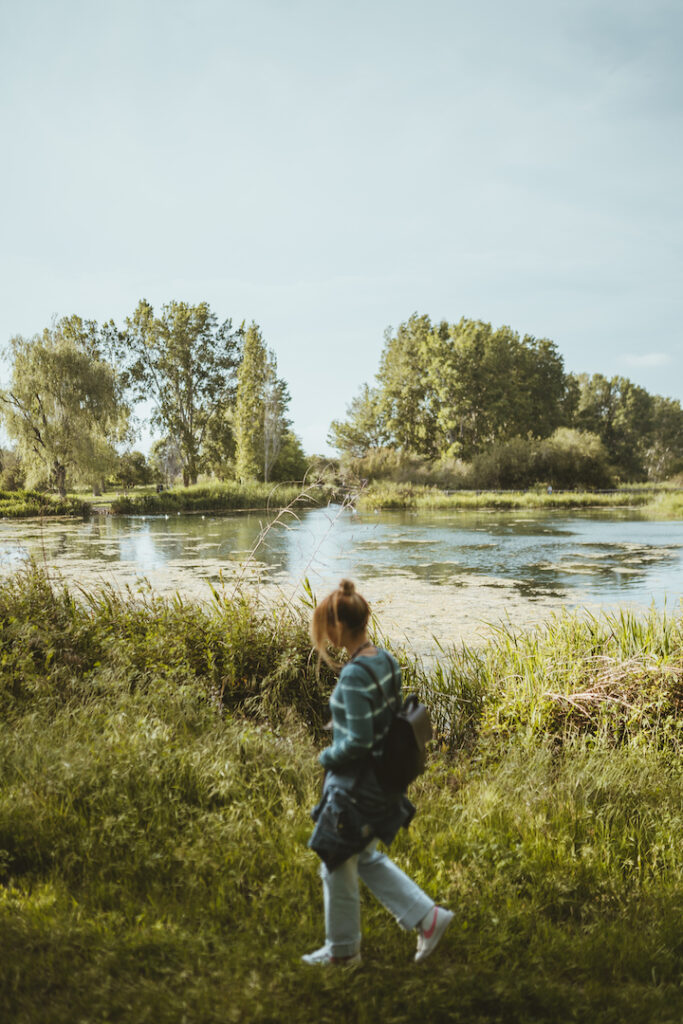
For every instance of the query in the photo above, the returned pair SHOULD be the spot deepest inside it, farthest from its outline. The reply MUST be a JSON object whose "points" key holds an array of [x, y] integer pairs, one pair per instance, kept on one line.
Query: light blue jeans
{"points": [[392, 887]]}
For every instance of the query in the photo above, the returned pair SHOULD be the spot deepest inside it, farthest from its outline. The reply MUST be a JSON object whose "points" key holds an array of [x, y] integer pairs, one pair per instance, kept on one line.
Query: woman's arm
{"points": [[354, 727]]}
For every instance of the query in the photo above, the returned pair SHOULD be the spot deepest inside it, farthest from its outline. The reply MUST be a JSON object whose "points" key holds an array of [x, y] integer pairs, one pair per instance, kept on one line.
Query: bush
{"points": [[567, 459], [393, 466]]}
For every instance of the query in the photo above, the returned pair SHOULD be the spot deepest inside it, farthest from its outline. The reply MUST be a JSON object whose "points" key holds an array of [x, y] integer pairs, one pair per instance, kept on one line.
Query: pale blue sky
{"points": [[327, 168]]}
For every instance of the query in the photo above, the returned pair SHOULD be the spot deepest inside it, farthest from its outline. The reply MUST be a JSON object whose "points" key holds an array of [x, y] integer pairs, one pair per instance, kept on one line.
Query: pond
{"points": [[445, 575]]}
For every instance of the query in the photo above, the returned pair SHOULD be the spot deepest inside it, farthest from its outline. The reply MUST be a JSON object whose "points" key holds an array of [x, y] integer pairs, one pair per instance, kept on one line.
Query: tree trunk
{"points": [[59, 472]]}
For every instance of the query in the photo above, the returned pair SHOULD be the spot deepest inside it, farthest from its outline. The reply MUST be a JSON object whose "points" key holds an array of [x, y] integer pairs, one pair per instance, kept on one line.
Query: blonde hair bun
{"points": [[347, 588]]}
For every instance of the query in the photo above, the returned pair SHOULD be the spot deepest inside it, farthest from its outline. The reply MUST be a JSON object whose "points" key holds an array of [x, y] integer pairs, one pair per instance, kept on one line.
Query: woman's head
{"points": [[342, 615]]}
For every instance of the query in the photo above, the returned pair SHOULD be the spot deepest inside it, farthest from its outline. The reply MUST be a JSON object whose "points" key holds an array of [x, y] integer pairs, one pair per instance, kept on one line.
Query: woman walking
{"points": [[355, 811]]}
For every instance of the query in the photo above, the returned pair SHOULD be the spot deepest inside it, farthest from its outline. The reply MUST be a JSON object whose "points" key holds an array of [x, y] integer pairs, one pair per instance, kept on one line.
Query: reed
{"points": [[24, 504], [222, 497], [400, 496]]}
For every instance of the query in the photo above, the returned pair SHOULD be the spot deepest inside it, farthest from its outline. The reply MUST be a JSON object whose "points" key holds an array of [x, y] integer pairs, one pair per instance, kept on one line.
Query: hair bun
{"points": [[347, 588]]}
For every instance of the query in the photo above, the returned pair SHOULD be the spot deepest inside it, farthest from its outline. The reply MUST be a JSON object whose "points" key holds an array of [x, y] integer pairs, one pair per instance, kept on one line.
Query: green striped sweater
{"points": [[361, 716]]}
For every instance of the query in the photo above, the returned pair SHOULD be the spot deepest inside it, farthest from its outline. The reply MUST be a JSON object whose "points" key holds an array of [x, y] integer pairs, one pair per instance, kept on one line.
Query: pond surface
{"points": [[427, 574]]}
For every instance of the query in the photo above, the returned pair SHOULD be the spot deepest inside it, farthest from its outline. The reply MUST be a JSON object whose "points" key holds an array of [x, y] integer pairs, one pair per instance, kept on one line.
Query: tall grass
{"points": [[399, 496], [157, 764], [23, 504], [222, 496]]}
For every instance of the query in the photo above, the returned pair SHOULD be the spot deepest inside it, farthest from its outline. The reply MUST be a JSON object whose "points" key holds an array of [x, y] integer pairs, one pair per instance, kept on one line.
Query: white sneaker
{"points": [[323, 956], [429, 937]]}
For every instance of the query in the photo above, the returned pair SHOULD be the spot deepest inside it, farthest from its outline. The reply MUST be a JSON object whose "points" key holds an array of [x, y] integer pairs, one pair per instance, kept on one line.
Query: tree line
{"points": [[466, 390], [216, 398]]}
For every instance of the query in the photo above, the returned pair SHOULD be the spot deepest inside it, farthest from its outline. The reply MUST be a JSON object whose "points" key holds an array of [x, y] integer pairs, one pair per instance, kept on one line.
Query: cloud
{"points": [[649, 359]]}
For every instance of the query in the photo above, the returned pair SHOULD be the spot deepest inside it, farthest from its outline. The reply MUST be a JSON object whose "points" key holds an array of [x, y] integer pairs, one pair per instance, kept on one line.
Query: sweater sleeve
{"points": [[355, 741]]}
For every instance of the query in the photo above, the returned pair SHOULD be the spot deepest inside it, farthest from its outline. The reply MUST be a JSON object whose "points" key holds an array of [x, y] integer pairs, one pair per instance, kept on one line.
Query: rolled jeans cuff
{"points": [[419, 909]]}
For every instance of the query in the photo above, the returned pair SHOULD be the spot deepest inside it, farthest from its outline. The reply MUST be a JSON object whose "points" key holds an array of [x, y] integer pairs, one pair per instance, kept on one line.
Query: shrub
{"points": [[566, 459]]}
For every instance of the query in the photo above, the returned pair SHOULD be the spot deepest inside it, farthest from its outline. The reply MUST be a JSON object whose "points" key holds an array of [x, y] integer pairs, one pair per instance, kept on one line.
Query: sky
{"points": [[328, 168]]}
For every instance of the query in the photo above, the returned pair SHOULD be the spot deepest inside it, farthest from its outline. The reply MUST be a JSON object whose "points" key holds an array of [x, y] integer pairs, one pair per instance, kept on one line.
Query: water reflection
{"points": [[607, 556]]}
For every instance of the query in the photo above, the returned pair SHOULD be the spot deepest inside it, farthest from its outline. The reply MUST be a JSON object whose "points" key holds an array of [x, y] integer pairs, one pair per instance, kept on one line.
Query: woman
{"points": [[355, 812]]}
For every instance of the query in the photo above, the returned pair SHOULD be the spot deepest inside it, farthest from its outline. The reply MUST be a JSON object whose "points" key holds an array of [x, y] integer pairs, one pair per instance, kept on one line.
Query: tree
{"points": [[166, 460], [185, 361], [133, 469], [490, 386], [11, 471], [292, 463], [405, 401], [64, 404], [621, 414], [664, 456], [261, 423], [364, 426], [455, 389], [218, 451]]}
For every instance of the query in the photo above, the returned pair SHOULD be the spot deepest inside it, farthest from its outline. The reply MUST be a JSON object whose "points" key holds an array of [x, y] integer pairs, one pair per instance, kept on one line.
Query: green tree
{"points": [[185, 361], [364, 427], [12, 476], [260, 423], [292, 463], [64, 405], [455, 389], [621, 414], [166, 460], [406, 401], [664, 456], [218, 452], [490, 385], [132, 469]]}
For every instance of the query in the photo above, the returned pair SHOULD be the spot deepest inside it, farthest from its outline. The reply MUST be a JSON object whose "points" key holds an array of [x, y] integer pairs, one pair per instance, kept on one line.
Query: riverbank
{"points": [[388, 496], [158, 765], [28, 504], [218, 497], [232, 496]]}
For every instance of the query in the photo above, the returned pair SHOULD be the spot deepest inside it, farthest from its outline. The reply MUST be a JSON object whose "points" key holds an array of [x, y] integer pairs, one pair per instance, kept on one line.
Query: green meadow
{"points": [[158, 764]]}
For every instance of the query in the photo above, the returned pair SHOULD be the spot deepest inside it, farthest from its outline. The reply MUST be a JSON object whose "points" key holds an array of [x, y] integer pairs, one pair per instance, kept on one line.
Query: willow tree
{"points": [[64, 405], [185, 361], [260, 422]]}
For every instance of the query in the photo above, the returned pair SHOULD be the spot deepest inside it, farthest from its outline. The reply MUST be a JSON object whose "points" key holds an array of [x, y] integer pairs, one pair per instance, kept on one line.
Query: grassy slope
{"points": [[153, 860]]}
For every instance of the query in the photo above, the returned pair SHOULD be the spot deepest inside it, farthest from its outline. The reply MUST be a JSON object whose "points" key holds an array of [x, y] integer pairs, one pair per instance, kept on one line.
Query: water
{"points": [[428, 574]]}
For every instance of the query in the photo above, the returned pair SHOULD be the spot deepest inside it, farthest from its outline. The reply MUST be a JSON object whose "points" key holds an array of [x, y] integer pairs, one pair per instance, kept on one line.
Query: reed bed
{"points": [[24, 504], [157, 765], [218, 497], [409, 496]]}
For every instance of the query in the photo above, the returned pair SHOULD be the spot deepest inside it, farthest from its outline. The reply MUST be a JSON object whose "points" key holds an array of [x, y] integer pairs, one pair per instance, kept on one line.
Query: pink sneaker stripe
{"points": [[428, 934]]}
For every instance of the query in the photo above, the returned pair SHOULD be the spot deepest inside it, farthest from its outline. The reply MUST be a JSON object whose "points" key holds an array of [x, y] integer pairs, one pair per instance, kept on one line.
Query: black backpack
{"points": [[404, 753]]}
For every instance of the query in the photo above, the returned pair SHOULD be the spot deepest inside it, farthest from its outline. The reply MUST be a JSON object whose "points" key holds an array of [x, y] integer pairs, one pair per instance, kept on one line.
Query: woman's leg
{"points": [[392, 887], [342, 908]]}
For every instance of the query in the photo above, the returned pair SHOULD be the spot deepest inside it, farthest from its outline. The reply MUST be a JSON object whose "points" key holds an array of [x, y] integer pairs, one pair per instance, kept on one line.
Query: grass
{"points": [[221, 496], [158, 763], [401, 496], [23, 504], [667, 506]]}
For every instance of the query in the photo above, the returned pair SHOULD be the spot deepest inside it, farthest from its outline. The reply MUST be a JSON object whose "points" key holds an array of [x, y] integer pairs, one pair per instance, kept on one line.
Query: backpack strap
{"points": [[376, 681]]}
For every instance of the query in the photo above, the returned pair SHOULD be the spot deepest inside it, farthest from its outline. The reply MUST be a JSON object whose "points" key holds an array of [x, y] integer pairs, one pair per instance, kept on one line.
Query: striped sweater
{"points": [[361, 716]]}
